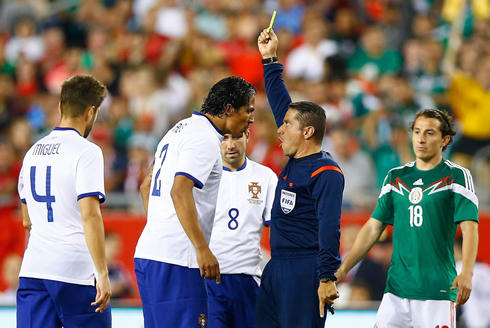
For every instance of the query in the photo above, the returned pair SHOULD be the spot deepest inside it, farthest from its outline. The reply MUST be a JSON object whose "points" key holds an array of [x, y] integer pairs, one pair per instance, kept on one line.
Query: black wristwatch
{"points": [[325, 279], [269, 60]]}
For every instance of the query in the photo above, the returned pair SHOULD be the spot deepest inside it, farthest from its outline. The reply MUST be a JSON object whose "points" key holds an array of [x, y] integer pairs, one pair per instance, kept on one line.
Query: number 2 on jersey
{"points": [[156, 188], [48, 198], [416, 218]]}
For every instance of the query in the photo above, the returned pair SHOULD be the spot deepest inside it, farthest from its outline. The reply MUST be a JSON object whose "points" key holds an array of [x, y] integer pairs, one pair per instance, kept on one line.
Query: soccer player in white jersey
{"points": [[245, 198], [64, 280], [425, 201], [172, 255]]}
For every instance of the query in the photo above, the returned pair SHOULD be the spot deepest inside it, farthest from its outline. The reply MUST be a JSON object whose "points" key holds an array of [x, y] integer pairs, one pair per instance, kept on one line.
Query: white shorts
{"points": [[407, 313]]}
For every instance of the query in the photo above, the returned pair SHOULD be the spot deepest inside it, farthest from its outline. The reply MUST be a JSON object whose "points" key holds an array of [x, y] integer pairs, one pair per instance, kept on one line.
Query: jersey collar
{"points": [[238, 169], [66, 129], [214, 126]]}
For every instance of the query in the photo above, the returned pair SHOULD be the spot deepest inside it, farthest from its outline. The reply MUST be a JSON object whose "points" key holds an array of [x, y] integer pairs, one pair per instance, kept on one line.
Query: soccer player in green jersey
{"points": [[424, 200]]}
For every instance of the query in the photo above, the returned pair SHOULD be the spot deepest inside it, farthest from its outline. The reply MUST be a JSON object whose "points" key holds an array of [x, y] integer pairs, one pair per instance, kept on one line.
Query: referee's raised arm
{"points": [[276, 90]]}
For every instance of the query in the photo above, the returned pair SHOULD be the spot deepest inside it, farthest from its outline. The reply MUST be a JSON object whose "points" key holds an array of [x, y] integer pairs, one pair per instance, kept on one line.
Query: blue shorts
{"points": [[172, 295], [232, 302], [54, 304], [288, 294]]}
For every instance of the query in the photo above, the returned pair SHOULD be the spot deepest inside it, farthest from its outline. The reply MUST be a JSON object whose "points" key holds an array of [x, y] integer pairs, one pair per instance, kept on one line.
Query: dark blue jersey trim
{"points": [[197, 183], [238, 169], [66, 129], [95, 193], [23, 200], [214, 126]]}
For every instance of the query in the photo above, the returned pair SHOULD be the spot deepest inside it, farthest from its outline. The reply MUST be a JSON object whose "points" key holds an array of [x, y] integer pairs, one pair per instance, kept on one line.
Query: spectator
{"points": [[10, 274], [374, 54], [25, 43], [119, 276], [307, 60]]}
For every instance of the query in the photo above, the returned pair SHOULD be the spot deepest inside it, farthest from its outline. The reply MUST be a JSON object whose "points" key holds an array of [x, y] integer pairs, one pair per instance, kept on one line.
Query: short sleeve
{"points": [[269, 201], [384, 209], [197, 156], [20, 186], [464, 197], [90, 174]]}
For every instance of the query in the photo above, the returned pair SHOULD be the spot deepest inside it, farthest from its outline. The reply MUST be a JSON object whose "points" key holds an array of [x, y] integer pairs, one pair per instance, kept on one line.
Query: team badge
{"points": [[202, 321], [416, 195], [255, 189], [288, 200]]}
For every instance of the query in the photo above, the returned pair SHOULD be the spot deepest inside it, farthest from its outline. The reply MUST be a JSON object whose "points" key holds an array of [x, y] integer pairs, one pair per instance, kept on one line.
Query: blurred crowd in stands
{"points": [[371, 64]]}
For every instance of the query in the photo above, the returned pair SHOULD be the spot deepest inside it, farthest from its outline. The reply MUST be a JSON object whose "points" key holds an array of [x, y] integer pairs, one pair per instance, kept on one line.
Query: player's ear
{"points": [[59, 108], [90, 112], [445, 141], [228, 110]]}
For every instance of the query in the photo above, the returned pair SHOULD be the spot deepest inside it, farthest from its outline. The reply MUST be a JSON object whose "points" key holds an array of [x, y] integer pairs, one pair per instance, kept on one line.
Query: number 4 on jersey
{"points": [[48, 198]]}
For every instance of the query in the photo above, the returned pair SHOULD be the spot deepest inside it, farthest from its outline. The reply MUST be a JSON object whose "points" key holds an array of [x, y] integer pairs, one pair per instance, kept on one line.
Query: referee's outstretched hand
{"points": [[208, 265], [103, 293], [327, 293], [267, 43]]}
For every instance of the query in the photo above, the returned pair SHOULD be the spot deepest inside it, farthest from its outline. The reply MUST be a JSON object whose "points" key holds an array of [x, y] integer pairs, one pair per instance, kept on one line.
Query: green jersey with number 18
{"points": [[425, 208]]}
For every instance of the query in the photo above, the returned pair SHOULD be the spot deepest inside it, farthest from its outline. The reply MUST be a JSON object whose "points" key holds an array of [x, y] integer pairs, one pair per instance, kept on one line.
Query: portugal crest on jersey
{"points": [[255, 189], [202, 321], [416, 195], [288, 200]]}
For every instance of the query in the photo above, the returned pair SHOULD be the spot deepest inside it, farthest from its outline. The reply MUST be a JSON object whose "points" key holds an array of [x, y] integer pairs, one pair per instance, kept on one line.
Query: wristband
{"points": [[269, 60]]}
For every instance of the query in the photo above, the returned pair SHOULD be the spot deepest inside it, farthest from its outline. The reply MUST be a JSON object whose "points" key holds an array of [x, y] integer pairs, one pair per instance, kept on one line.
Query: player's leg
{"points": [[35, 307], [266, 311], [431, 313], [143, 286], [177, 296], [244, 296], [298, 292], [220, 315], [394, 312], [73, 304]]}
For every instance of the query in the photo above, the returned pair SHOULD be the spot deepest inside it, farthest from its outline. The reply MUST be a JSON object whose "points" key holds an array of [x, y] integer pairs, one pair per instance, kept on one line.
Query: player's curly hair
{"points": [[232, 90], [311, 114], [79, 93], [447, 126]]}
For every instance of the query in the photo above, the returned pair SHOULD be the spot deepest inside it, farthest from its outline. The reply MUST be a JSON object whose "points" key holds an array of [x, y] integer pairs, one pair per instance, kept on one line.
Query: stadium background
{"points": [[371, 64]]}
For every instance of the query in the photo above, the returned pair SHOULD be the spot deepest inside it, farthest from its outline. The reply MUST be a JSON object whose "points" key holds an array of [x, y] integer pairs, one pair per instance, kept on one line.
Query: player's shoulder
{"points": [[460, 174], [402, 169], [455, 168], [259, 168]]}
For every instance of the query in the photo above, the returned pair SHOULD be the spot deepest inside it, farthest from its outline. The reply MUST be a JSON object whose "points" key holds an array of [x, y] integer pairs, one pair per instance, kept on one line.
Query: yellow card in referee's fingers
{"points": [[272, 21]]}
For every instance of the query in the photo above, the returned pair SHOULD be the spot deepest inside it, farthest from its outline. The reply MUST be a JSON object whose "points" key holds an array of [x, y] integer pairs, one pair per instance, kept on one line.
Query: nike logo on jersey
{"points": [[419, 182]]}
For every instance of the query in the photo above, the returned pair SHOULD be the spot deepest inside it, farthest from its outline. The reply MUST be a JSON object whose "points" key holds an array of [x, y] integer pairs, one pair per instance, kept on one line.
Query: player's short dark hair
{"points": [[232, 90], [447, 126], [311, 114], [80, 92]]}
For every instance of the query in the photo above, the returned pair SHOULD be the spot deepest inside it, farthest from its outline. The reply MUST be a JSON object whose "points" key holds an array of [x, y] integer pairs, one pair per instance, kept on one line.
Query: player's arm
{"points": [[94, 235], [365, 240], [470, 249], [276, 90], [145, 188], [26, 221], [185, 208]]}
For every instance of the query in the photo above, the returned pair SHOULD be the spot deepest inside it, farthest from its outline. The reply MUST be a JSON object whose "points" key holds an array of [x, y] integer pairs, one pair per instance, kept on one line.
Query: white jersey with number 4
{"points": [[244, 206], [57, 171], [192, 149]]}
